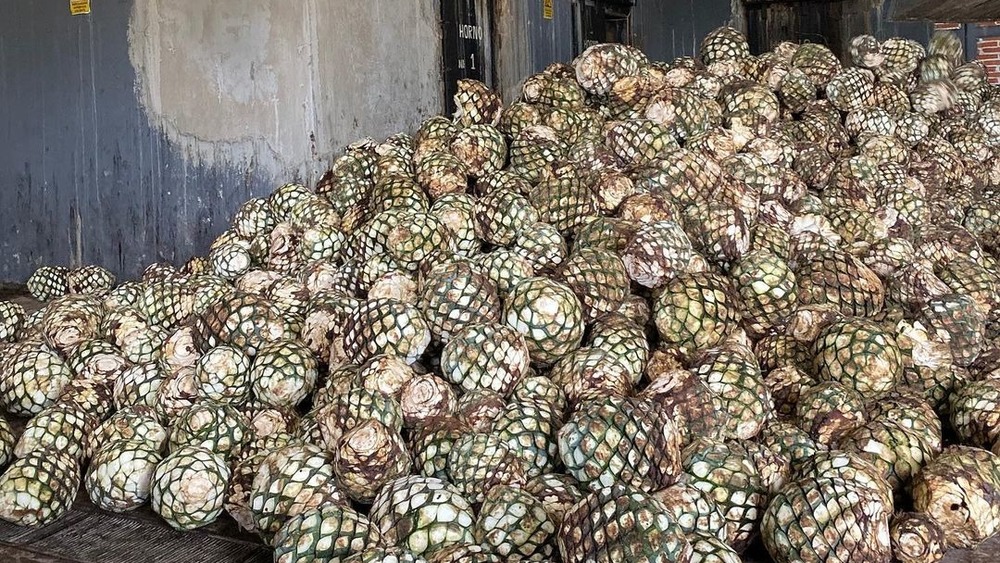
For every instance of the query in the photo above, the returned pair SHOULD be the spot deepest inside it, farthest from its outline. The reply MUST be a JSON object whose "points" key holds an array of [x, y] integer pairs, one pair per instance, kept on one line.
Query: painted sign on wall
{"points": [[466, 44], [79, 7]]}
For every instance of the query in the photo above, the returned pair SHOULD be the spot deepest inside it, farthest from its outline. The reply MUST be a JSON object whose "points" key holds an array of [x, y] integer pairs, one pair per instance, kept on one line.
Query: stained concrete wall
{"points": [[286, 83], [131, 135]]}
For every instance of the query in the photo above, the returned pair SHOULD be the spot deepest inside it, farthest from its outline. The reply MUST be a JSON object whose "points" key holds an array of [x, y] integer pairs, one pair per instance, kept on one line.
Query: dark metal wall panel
{"points": [[551, 40], [773, 22], [666, 29], [83, 178], [466, 41], [883, 27], [830, 23], [526, 42]]}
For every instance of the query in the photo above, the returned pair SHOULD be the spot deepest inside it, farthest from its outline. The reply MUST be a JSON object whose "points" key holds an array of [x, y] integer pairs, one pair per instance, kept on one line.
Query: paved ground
{"points": [[88, 535], [17, 294]]}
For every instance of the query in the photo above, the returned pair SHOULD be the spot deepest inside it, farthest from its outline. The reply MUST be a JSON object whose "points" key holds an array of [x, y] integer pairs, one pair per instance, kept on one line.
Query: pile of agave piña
{"points": [[648, 312]]}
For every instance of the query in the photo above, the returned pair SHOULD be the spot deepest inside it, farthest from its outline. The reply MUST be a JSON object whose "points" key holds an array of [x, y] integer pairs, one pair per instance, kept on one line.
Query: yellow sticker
{"points": [[547, 9], [79, 7]]}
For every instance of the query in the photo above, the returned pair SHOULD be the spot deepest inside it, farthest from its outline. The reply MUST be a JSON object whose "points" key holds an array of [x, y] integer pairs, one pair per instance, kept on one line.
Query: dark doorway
{"points": [[467, 44], [602, 21], [813, 21]]}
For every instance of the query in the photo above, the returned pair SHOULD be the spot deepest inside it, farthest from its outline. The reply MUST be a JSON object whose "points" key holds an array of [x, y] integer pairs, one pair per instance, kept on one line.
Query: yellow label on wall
{"points": [[547, 9], [79, 7]]}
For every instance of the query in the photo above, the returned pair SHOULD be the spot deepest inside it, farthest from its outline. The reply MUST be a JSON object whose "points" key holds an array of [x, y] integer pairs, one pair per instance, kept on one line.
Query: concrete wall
{"points": [[130, 135], [287, 83]]}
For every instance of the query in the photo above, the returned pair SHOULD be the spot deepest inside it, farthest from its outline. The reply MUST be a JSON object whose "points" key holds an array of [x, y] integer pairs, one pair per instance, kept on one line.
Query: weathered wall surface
{"points": [[664, 29], [831, 23], [130, 135], [527, 42], [283, 83], [669, 29]]}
